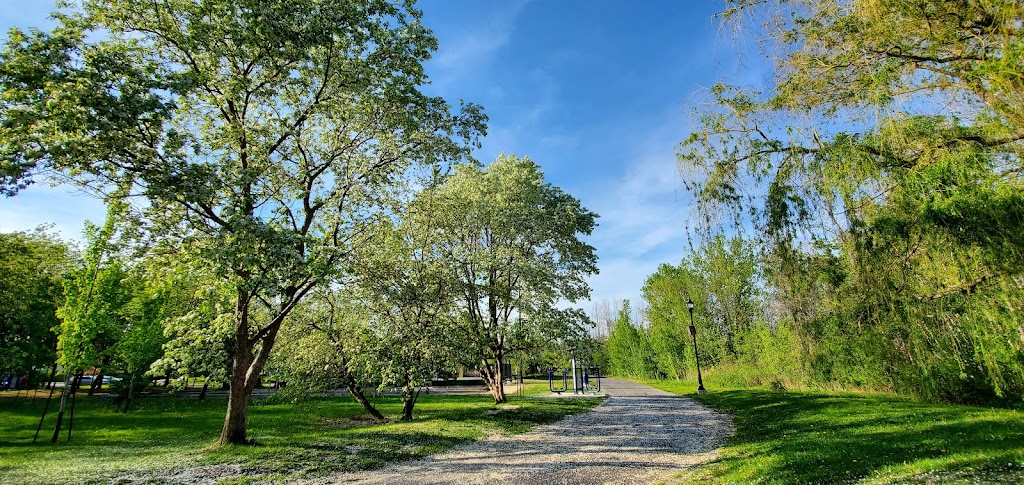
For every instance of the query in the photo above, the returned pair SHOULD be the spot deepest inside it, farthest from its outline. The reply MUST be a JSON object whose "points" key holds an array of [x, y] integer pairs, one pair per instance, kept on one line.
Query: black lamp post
{"points": [[693, 333]]}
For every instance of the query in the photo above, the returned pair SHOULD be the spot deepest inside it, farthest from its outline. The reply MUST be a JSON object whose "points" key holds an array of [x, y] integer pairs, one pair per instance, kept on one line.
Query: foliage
{"points": [[666, 293], [33, 265], [113, 313], [95, 294], [335, 346], [164, 437], [735, 332], [262, 135], [801, 437], [629, 349], [513, 250], [194, 314], [388, 324], [881, 174], [401, 280]]}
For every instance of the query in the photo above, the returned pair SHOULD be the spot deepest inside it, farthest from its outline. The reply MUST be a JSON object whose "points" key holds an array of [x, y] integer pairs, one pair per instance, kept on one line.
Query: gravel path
{"points": [[638, 435]]}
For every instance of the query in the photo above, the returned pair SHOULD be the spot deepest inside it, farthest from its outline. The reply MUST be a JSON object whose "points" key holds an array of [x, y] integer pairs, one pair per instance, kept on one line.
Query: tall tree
{"points": [[887, 155], [95, 293], [666, 292], [629, 349], [33, 265], [723, 279], [260, 133], [513, 248]]}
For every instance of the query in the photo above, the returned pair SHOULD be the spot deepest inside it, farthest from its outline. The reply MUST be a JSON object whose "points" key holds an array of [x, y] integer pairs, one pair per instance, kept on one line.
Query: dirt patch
{"points": [[499, 409], [199, 475], [349, 422]]}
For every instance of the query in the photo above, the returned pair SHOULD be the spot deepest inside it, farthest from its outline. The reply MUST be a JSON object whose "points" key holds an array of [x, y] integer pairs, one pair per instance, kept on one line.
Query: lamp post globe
{"points": [[696, 356]]}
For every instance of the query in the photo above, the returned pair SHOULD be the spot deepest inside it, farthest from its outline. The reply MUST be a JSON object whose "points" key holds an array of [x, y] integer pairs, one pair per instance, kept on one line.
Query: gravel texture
{"points": [[638, 435]]}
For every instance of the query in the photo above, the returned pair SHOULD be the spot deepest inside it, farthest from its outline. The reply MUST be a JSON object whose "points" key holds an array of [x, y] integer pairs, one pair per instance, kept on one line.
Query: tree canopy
{"points": [[882, 172], [261, 136], [34, 265], [513, 247]]}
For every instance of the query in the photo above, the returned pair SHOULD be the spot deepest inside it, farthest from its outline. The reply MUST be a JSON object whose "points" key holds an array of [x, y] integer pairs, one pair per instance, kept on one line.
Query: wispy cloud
{"points": [[477, 46], [643, 217]]}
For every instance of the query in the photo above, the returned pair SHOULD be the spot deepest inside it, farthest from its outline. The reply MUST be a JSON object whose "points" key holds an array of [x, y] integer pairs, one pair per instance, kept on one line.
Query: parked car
{"points": [[87, 380]]}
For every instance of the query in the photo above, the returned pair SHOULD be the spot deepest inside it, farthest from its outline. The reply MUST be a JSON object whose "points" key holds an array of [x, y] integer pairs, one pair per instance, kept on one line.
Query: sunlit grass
{"points": [[816, 437], [311, 438]]}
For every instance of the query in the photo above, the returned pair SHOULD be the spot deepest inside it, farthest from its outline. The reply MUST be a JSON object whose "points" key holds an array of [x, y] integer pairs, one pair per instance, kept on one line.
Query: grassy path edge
{"points": [[164, 438], [820, 437]]}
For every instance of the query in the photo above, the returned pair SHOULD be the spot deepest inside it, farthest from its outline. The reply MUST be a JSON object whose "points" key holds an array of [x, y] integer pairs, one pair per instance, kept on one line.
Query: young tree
{"points": [[260, 133], [400, 280], [95, 293], [723, 279], [387, 323], [512, 247], [91, 314], [629, 348], [666, 292], [334, 344]]}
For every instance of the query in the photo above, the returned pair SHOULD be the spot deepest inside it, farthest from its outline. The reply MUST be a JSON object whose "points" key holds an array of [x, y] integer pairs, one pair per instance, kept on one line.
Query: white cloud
{"points": [[643, 218], [476, 46]]}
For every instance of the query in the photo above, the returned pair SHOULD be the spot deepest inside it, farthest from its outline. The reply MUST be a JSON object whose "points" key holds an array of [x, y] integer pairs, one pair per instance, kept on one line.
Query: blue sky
{"points": [[595, 91]]}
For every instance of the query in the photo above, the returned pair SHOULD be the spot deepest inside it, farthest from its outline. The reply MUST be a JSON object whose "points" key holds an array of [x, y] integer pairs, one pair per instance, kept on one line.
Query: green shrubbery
{"points": [[825, 327]]}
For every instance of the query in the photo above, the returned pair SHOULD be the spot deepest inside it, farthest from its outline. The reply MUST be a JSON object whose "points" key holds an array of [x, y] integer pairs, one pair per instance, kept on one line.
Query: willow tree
{"points": [[260, 134], [512, 248], [891, 139]]}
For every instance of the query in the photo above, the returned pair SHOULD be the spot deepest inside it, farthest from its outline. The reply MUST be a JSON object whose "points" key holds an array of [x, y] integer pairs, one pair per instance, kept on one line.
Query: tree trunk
{"points": [[248, 362], [50, 384], [28, 383], [357, 393], [69, 387], [237, 417], [74, 395], [246, 367], [494, 380], [97, 383], [410, 392], [238, 408], [409, 395], [202, 394], [131, 392]]}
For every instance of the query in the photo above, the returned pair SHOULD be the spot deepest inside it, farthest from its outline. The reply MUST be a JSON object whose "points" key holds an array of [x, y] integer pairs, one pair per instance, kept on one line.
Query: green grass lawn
{"points": [[817, 437], [162, 436]]}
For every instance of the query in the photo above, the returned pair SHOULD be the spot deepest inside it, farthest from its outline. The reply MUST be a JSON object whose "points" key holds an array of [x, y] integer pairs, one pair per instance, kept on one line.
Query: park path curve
{"points": [[638, 435]]}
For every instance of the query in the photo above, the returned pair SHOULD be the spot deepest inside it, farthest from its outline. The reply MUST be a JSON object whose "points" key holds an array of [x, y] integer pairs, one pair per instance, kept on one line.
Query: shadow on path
{"points": [[638, 435]]}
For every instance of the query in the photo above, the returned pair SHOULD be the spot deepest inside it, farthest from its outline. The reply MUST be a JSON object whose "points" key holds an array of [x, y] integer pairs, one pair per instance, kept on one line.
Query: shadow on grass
{"points": [[166, 434], [800, 437]]}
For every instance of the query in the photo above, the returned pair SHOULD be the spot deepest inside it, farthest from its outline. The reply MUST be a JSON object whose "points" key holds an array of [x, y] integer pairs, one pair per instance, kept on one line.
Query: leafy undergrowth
{"points": [[816, 437], [176, 437]]}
